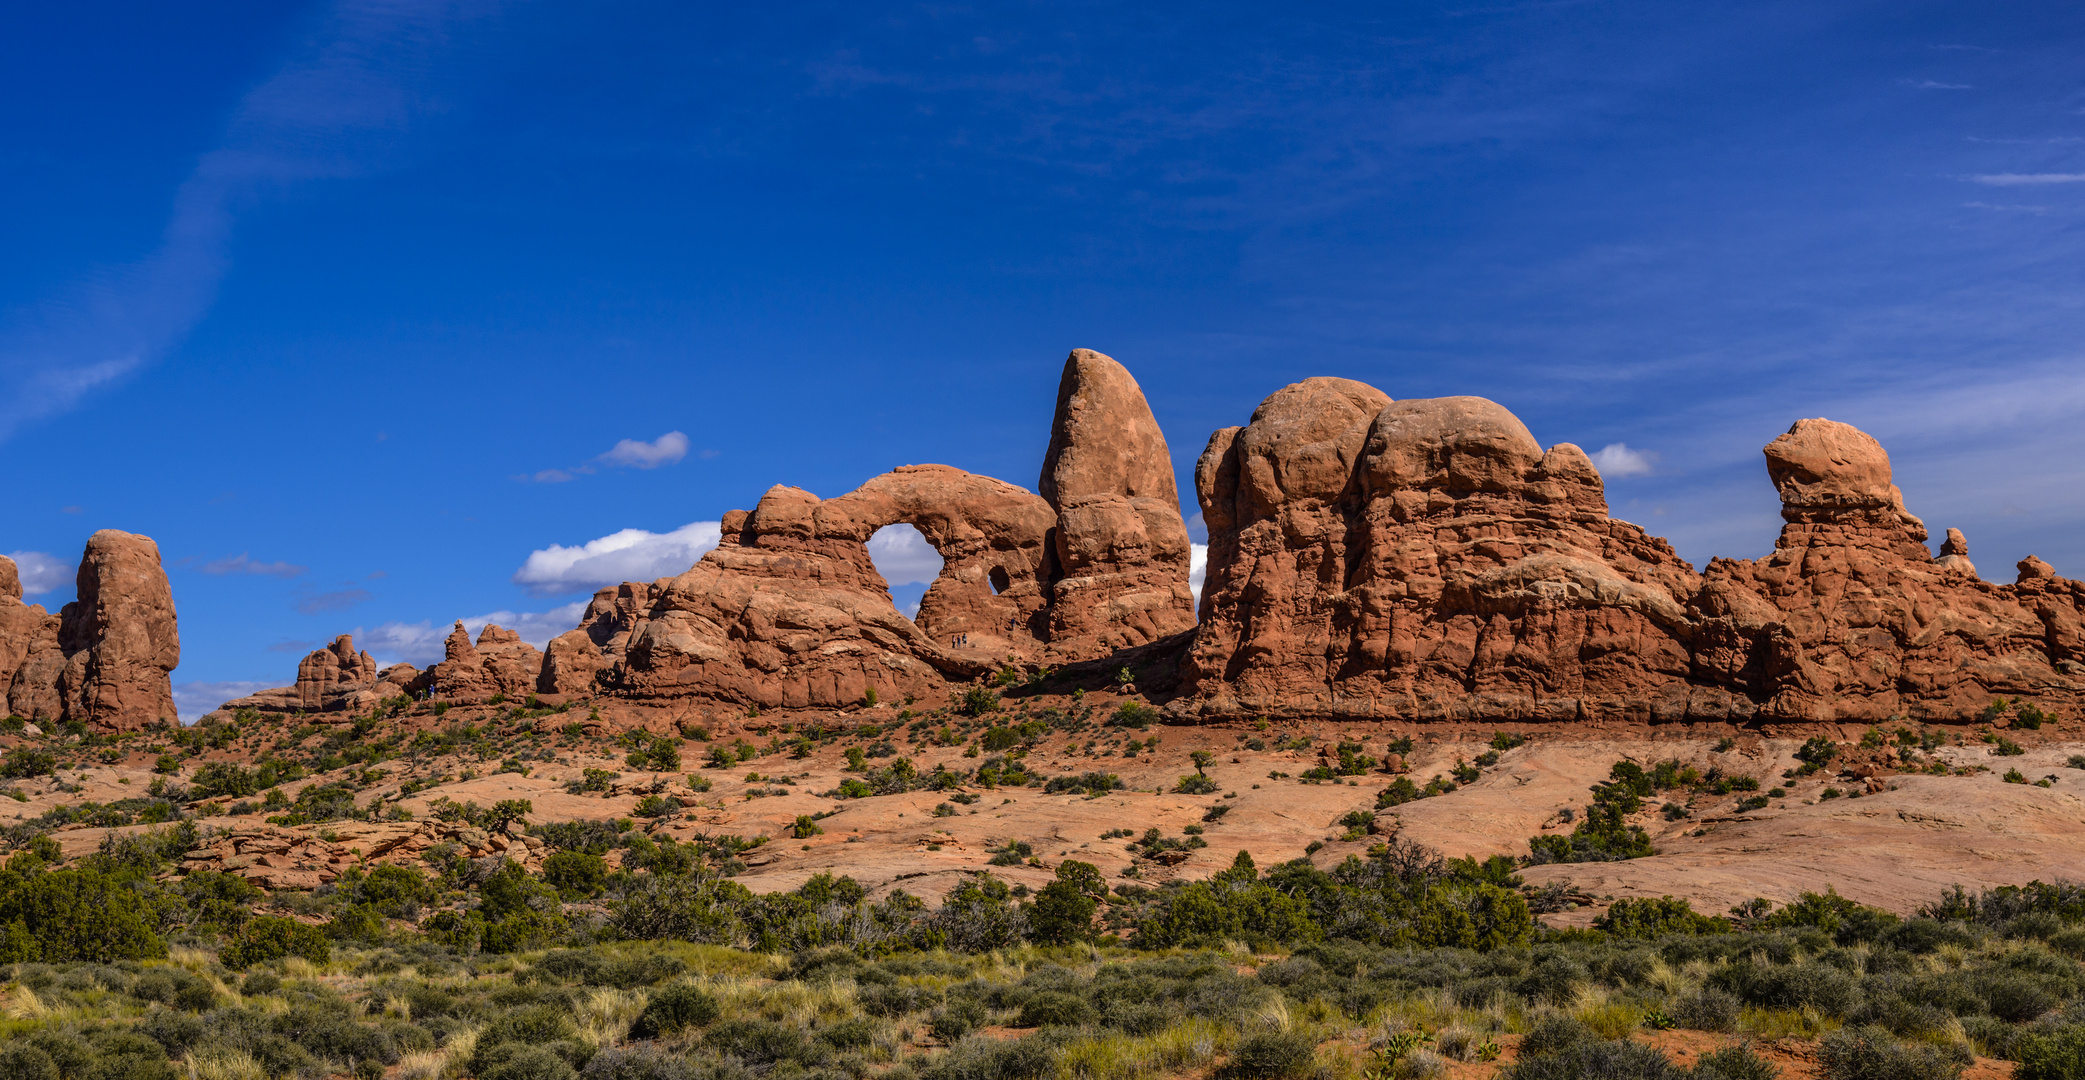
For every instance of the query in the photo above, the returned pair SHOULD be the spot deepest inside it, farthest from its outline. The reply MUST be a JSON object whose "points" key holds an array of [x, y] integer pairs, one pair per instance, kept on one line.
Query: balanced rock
{"points": [[1852, 618], [1120, 560]]}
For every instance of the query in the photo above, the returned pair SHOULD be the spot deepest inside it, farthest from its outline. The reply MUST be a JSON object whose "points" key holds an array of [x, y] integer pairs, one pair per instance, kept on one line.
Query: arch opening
{"points": [[1000, 579], [907, 562]]}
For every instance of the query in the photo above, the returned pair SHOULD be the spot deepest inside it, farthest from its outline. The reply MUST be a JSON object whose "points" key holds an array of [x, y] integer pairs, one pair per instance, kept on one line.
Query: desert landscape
{"points": [[1433, 705]]}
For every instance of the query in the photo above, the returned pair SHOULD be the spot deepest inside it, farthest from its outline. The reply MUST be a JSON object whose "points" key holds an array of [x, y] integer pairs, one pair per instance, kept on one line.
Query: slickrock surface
{"points": [[1893, 837]]}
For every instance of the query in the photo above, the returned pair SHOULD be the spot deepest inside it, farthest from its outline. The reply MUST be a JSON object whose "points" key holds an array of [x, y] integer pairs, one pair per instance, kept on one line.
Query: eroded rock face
{"points": [[118, 640], [473, 674], [1424, 559], [1119, 575], [789, 611], [1444, 564], [330, 667], [1852, 618], [30, 659]]}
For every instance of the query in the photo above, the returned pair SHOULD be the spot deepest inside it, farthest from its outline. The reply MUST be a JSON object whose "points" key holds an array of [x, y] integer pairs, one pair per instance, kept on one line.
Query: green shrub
{"points": [[223, 778], [662, 754], [977, 701], [1271, 1054], [1708, 1010], [23, 763], [21, 1061], [266, 937], [1195, 785], [674, 1008], [955, 1020], [1597, 1059], [575, 874], [805, 827], [1648, 918], [63, 915], [1870, 1053], [1055, 1007], [2058, 1055]]}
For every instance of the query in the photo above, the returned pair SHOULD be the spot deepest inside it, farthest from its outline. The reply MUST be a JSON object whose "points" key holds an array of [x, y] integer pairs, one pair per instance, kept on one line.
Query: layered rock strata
{"points": [[1425, 559], [1428, 559], [1368, 558], [1852, 618], [105, 659]]}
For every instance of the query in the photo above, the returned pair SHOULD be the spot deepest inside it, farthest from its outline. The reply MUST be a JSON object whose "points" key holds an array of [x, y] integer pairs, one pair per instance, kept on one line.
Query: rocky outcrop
{"points": [[330, 667], [1425, 559], [30, 659], [105, 659], [789, 610], [500, 663], [1368, 558], [1852, 618], [1119, 555]]}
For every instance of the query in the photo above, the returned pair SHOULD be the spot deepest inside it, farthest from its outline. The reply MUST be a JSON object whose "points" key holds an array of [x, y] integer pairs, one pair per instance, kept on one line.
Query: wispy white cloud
{"points": [[1930, 84], [194, 699], [638, 454], [2028, 179], [1616, 460], [242, 564], [420, 643], [335, 112], [40, 573], [625, 454], [338, 600], [628, 555], [903, 556], [1197, 569]]}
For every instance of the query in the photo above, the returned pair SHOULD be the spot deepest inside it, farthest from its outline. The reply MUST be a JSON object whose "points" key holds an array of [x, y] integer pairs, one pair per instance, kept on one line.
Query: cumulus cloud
{"points": [[2010, 179], [628, 555], [241, 564], [420, 643], [638, 454], [904, 557], [1197, 569], [192, 700], [40, 572], [1616, 460]]}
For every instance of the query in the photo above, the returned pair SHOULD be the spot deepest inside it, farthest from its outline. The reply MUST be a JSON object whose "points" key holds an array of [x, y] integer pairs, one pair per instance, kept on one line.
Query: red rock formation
{"points": [[329, 667], [1851, 618], [119, 637], [1425, 559], [500, 663], [30, 659], [1119, 570], [790, 611], [104, 659]]}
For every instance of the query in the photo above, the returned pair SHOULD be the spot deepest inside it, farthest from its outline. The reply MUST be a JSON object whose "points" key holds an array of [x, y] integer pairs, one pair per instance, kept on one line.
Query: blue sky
{"points": [[371, 314]]}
